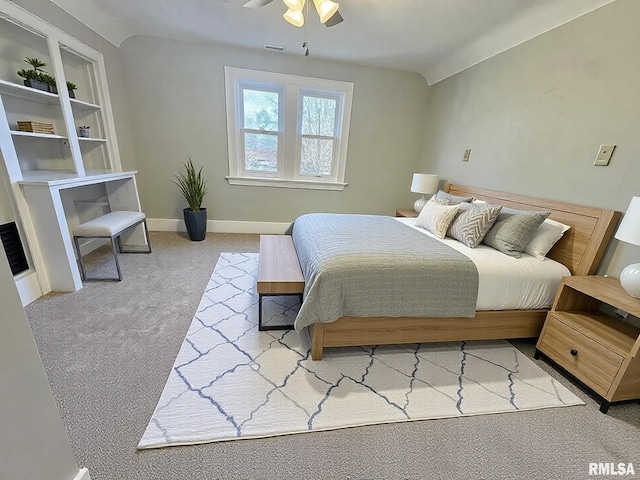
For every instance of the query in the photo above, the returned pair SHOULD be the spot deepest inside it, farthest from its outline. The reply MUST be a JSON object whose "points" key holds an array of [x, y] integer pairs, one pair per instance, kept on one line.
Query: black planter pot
{"points": [[36, 84], [196, 223]]}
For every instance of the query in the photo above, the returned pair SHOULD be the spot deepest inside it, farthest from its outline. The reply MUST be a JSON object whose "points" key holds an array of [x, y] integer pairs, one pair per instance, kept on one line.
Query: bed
{"points": [[579, 250]]}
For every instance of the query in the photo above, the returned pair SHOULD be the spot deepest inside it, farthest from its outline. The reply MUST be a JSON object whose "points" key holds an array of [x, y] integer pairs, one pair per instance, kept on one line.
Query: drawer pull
{"points": [[574, 352]]}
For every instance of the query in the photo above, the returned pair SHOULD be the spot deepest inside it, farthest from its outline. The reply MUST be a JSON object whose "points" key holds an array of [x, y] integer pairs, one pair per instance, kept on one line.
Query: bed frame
{"points": [[580, 250]]}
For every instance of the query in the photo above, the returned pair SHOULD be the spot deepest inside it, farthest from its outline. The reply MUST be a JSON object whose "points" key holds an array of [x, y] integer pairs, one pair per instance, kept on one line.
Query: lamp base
{"points": [[419, 204], [630, 280]]}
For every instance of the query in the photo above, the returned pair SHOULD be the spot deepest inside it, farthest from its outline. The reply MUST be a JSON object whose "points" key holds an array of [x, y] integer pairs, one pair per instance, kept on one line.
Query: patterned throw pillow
{"points": [[436, 217], [513, 230], [451, 199], [473, 223]]}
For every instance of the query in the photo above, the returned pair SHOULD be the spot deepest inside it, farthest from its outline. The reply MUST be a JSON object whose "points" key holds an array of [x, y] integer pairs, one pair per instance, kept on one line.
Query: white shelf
{"points": [[80, 105], [16, 133], [28, 93], [67, 177], [91, 140]]}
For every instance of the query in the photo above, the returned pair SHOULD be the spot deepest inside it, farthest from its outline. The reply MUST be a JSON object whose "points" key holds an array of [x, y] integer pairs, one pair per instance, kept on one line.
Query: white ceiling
{"points": [[436, 38]]}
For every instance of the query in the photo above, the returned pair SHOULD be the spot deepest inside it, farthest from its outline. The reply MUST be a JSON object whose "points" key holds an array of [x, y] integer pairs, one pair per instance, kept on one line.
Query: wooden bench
{"points": [[109, 226], [279, 272]]}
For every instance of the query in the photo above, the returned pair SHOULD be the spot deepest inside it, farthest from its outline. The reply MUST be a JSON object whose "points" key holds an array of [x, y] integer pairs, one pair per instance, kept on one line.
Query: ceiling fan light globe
{"points": [[294, 17], [294, 4], [326, 9]]}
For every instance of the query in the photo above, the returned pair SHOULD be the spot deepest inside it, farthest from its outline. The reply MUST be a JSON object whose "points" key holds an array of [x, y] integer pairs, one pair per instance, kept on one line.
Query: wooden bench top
{"points": [[279, 271]]}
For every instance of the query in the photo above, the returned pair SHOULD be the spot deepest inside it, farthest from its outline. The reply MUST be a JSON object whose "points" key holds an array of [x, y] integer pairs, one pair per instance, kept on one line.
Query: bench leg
{"points": [[260, 328], [83, 273], [115, 256], [146, 233]]}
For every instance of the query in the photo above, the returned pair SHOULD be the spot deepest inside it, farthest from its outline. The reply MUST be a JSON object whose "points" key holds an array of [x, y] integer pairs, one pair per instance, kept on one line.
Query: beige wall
{"points": [[176, 100], [536, 115], [33, 443]]}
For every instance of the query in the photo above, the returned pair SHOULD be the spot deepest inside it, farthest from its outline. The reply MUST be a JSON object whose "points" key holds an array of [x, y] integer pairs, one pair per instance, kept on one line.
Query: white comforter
{"points": [[508, 283]]}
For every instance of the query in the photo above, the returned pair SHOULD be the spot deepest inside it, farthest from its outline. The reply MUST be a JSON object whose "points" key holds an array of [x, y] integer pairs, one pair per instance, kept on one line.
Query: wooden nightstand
{"points": [[405, 212], [600, 351]]}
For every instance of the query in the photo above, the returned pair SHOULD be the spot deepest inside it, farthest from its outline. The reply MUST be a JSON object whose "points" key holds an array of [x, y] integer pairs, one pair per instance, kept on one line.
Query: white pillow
{"points": [[436, 217], [545, 237]]}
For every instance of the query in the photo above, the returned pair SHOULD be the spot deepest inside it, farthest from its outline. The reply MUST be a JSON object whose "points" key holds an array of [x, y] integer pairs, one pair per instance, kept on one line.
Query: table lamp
{"points": [[629, 232], [424, 183]]}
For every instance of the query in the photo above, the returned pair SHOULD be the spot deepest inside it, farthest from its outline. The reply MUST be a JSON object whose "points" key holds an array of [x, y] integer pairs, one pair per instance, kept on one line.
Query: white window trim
{"points": [[289, 176]]}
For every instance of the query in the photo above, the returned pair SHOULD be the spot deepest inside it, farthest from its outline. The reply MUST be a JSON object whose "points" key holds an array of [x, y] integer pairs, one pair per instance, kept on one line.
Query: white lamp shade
{"points": [[424, 183], [325, 9], [294, 17], [629, 229], [294, 4]]}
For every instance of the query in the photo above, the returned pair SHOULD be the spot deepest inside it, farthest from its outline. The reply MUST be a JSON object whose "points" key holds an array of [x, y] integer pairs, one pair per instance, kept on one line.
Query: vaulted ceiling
{"points": [[436, 38]]}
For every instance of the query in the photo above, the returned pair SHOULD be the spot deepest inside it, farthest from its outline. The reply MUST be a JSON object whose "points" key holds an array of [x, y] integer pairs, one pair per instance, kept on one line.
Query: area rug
{"points": [[230, 381]]}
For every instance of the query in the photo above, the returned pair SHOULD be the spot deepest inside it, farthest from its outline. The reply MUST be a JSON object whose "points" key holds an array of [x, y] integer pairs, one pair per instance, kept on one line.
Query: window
{"points": [[285, 130]]}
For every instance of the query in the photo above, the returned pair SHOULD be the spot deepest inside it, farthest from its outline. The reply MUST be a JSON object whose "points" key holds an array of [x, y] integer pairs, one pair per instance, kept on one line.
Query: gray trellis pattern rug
{"points": [[230, 381]]}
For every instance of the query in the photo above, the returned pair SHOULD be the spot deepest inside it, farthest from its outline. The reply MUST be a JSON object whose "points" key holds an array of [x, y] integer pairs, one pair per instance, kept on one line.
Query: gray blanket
{"points": [[374, 266]]}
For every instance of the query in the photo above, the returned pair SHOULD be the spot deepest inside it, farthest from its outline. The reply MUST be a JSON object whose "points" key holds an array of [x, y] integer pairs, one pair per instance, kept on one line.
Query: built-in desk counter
{"points": [[53, 198]]}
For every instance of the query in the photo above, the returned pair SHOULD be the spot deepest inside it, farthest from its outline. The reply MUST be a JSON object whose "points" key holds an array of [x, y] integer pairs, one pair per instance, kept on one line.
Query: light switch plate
{"points": [[467, 154], [604, 155]]}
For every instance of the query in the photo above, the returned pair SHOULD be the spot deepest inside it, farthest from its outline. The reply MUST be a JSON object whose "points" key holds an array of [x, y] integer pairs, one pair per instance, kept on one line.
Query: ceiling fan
{"points": [[327, 11]]}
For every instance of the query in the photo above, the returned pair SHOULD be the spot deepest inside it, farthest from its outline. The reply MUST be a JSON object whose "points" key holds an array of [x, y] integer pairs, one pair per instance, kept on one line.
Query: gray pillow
{"points": [[473, 222], [513, 230], [451, 199]]}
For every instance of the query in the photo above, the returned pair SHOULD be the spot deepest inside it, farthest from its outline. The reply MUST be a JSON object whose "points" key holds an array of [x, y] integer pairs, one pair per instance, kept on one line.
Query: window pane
{"points": [[318, 116], [260, 110], [317, 155], [261, 152]]}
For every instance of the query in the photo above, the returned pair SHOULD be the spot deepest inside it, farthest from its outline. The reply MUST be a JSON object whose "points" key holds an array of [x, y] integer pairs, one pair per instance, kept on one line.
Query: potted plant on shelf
{"points": [[34, 78], [193, 187], [83, 131], [71, 87], [50, 81]]}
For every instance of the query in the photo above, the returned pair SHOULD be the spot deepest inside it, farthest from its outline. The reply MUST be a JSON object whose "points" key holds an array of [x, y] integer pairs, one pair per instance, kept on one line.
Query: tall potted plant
{"points": [[193, 187]]}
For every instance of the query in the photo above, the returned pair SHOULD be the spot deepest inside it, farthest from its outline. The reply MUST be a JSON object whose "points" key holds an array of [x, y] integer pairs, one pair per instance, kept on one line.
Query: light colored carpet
{"points": [[108, 350], [231, 381]]}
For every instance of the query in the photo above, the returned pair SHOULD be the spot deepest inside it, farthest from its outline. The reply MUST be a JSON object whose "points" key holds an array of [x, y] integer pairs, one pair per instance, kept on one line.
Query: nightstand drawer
{"points": [[590, 361]]}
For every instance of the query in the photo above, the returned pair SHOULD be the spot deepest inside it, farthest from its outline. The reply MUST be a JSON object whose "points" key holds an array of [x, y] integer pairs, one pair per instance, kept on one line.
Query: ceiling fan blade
{"points": [[257, 3], [335, 19]]}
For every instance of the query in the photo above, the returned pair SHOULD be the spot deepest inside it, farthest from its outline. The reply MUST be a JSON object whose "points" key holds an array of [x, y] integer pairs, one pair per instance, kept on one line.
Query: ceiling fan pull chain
{"points": [[305, 44]]}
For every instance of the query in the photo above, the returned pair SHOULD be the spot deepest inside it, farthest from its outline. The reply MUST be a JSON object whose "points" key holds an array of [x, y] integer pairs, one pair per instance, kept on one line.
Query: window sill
{"points": [[284, 183]]}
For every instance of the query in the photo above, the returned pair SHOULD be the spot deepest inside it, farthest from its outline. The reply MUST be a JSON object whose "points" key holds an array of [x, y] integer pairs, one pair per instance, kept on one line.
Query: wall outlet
{"points": [[604, 155], [467, 154]]}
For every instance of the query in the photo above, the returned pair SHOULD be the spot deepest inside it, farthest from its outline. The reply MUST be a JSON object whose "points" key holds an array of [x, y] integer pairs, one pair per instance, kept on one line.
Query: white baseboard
{"points": [[83, 474], [219, 226], [91, 244], [28, 287]]}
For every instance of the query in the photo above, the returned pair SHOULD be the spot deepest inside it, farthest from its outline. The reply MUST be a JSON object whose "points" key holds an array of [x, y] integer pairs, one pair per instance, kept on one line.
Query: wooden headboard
{"points": [[581, 248]]}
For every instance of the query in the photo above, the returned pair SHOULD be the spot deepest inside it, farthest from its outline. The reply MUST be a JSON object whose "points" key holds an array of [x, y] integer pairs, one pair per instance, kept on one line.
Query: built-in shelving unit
{"points": [[49, 174]]}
